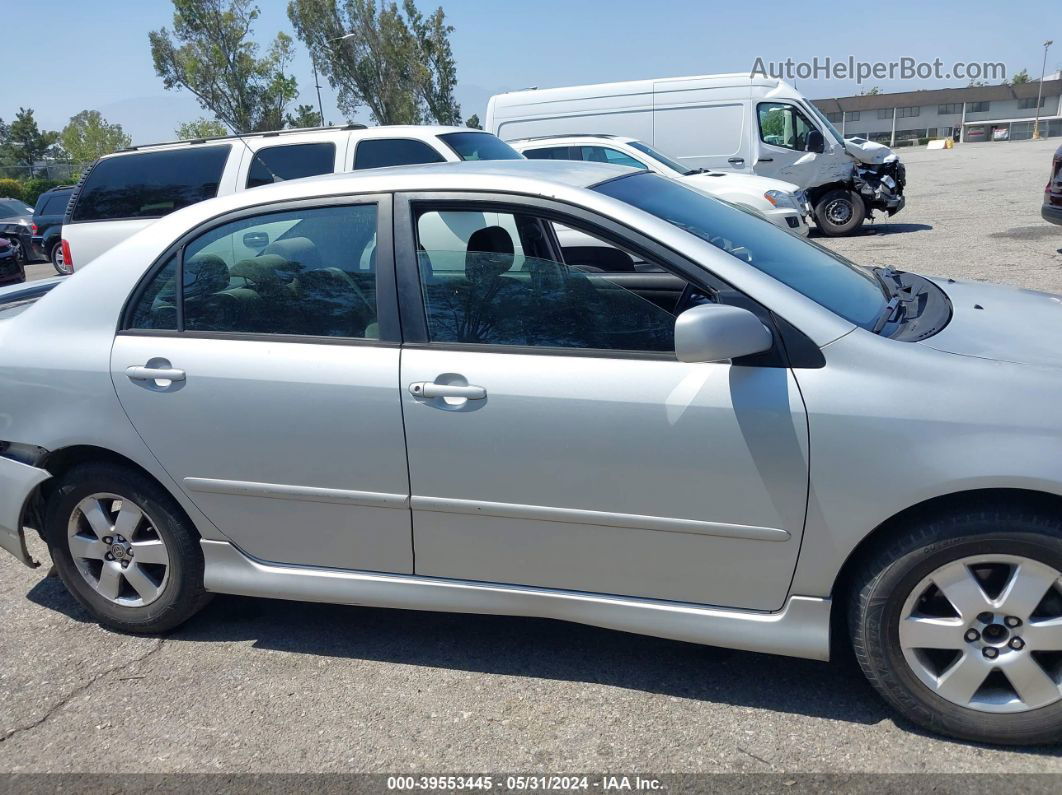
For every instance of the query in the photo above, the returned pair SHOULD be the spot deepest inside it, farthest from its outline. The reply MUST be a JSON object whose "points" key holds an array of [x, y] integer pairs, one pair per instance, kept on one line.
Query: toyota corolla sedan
{"points": [[392, 389]]}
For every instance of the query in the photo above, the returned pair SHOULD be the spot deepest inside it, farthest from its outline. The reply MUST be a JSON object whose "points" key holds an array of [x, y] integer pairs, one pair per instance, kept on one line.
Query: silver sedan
{"points": [[404, 389]]}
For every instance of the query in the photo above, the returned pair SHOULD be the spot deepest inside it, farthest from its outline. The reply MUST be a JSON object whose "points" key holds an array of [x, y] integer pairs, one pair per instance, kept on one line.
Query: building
{"points": [[977, 113]]}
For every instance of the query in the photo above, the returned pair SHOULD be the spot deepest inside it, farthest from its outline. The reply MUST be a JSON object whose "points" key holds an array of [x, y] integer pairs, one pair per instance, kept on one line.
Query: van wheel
{"points": [[840, 212], [124, 549], [56, 256], [958, 625]]}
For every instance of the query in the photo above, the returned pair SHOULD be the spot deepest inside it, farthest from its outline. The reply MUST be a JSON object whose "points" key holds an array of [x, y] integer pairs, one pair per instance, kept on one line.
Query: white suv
{"points": [[125, 191], [782, 203]]}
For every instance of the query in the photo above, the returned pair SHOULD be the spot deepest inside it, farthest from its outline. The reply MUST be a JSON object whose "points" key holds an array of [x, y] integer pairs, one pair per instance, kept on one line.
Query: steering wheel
{"points": [[692, 296]]}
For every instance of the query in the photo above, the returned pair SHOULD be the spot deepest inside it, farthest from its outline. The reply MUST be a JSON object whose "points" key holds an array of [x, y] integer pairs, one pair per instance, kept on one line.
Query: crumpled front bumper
{"points": [[17, 482]]}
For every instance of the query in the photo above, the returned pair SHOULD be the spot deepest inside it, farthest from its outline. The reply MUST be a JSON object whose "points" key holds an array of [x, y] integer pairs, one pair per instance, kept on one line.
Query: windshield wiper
{"points": [[896, 307]]}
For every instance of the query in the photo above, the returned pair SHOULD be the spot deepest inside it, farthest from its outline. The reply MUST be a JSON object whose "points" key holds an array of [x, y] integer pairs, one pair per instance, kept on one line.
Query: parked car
{"points": [[12, 268], [48, 226], [781, 203], [124, 192], [1052, 208], [16, 226], [725, 122], [280, 391]]}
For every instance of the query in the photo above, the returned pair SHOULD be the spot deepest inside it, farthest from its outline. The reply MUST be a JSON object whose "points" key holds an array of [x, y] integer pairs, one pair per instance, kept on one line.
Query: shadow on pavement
{"points": [[539, 648], [884, 228]]}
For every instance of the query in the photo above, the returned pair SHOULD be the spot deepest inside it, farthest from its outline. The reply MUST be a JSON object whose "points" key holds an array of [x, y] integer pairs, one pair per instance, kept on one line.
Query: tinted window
{"points": [[605, 154], [834, 282], [278, 163], [303, 272], [490, 285], [55, 204], [550, 153], [380, 152], [150, 184], [10, 208], [480, 146], [156, 307]]}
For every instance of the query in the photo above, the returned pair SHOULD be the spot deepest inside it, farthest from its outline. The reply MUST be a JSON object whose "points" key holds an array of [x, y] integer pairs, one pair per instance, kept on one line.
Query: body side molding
{"points": [[305, 493], [603, 518], [800, 629]]}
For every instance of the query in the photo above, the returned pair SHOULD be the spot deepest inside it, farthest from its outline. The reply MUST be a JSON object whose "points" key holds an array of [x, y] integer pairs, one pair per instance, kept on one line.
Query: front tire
{"points": [[958, 625], [124, 549], [840, 212]]}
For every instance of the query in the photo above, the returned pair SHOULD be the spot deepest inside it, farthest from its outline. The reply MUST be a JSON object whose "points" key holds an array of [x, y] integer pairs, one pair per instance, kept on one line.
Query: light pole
{"points": [[317, 85], [1040, 92]]}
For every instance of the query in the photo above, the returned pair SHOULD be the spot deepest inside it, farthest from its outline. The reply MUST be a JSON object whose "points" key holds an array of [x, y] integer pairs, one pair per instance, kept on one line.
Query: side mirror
{"points": [[715, 333], [816, 143]]}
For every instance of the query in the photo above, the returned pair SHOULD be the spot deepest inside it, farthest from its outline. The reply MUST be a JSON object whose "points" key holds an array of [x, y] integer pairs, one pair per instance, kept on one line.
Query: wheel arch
{"points": [[872, 542]]}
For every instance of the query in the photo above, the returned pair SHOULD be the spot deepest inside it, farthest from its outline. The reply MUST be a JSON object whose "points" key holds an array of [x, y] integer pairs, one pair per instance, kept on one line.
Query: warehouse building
{"points": [[977, 113]]}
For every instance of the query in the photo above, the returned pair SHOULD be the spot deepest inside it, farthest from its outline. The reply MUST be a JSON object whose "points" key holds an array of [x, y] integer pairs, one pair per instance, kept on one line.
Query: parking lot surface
{"points": [[258, 685]]}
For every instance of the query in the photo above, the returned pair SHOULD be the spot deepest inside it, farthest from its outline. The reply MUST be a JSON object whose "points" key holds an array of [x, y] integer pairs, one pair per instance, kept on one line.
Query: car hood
{"points": [[1006, 324], [870, 152], [724, 181]]}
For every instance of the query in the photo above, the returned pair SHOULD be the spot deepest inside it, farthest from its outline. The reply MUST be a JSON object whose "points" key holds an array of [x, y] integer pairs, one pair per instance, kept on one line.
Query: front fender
{"points": [[17, 482]]}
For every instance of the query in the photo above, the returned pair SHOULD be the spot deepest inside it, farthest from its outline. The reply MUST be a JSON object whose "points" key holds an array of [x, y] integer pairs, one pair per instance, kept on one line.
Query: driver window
{"points": [[783, 125], [492, 278]]}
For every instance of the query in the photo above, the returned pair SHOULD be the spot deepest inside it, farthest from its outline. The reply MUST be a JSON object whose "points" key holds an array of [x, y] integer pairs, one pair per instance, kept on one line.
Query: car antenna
{"points": [[254, 155]]}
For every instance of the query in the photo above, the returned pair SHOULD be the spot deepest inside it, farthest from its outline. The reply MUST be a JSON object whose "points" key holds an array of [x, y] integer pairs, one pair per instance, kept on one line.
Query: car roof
{"points": [[599, 137], [359, 130]]}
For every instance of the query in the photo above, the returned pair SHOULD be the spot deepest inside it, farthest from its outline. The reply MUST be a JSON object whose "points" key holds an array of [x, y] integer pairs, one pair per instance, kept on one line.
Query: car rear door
{"points": [[555, 441], [267, 384]]}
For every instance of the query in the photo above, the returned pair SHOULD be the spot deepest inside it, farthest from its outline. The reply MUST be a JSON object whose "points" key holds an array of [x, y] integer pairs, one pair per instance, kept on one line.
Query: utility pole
{"points": [[317, 85], [1040, 92]]}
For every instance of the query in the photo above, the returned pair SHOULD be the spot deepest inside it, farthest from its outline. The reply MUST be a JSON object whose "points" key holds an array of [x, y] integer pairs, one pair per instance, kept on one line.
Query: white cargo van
{"points": [[731, 122], [123, 192]]}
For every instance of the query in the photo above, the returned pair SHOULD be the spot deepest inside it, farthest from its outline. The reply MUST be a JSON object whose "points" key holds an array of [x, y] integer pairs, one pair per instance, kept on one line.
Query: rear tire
{"points": [[124, 549], [941, 625], [56, 256], [840, 212]]}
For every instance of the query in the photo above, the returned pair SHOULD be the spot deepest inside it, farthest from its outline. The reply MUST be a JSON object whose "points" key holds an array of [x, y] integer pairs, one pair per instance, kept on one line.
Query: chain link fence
{"points": [[61, 171]]}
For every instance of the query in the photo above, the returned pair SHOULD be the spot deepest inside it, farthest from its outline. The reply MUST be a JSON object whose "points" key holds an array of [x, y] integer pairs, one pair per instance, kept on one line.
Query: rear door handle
{"points": [[766, 159], [429, 389], [737, 161], [154, 374]]}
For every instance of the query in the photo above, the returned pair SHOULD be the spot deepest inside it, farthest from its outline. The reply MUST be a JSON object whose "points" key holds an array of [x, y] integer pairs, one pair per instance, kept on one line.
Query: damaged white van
{"points": [[729, 122]]}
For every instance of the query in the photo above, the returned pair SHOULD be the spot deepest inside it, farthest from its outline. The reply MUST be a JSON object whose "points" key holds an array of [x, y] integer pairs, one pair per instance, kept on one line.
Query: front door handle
{"points": [[429, 389], [736, 161], [154, 374]]}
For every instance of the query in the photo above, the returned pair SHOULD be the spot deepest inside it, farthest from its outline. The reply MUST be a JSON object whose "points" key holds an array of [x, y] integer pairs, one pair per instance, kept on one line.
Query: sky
{"points": [[95, 55]]}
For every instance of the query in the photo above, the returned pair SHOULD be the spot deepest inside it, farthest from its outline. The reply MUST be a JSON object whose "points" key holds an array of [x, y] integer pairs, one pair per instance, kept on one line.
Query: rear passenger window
{"points": [[380, 152], [305, 272], [150, 184], [278, 163], [550, 153]]}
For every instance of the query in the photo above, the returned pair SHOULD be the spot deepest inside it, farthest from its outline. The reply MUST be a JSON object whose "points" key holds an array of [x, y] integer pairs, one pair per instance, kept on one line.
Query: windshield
{"points": [[663, 159], [826, 122], [480, 146], [826, 278]]}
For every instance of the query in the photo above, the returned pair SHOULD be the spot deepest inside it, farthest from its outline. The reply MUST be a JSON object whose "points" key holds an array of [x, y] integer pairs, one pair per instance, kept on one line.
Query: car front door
{"points": [[555, 441], [783, 144], [259, 362]]}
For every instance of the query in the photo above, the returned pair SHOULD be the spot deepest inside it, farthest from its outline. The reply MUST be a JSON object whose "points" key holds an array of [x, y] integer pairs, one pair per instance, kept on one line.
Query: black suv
{"points": [[48, 223]]}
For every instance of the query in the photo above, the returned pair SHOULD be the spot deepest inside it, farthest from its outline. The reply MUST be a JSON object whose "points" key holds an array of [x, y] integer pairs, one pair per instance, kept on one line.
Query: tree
{"points": [[304, 116], [200, 128], [1020, 77], [473, 122], [211, 55], [873, 91], [393, 61], [88, 135], [25, 143]]}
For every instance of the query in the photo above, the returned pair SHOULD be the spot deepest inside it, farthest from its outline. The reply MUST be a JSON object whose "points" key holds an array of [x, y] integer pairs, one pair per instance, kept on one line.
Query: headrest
{"points": [[301, 252], [489, 253], [265, 269], [205, 275]]}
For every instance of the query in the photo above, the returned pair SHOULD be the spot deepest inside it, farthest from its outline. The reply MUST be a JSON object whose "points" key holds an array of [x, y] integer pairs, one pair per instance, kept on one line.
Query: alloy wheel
{"points": [[118, 550], [985, 632]]}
